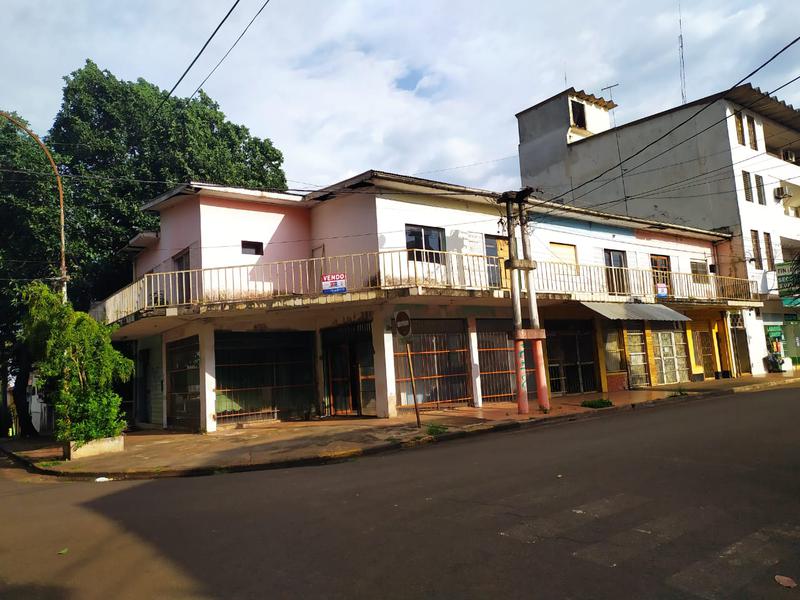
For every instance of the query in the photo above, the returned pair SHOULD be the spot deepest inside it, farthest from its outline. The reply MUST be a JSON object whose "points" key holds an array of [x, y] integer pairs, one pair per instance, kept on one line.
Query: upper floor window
{"points": [[758, 262], [422, 237], [762, 198], [769, 251], [751, 132], [737, 117], [699, 271], [748, 186], [578, 114], [253, 248], [565, 253]]}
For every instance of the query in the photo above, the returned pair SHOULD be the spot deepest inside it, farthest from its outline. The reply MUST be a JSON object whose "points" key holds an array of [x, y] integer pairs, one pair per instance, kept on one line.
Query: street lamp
{"points": [[60, 199]]}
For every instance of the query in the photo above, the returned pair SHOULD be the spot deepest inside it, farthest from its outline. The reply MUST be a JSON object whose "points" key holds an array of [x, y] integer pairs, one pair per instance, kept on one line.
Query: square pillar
{"points": [[208, 379], [756, 340], [164, 382], [383, 347], [474, 360], [319, 369]]}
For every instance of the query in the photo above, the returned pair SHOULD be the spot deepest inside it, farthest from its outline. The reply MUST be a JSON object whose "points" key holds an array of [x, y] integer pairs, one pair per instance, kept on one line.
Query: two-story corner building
{"points": [[732, 167], [251, 305]]}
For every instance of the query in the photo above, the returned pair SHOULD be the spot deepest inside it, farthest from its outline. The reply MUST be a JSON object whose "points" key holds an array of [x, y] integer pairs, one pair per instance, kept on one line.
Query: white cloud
{"points": [[323, 79]]}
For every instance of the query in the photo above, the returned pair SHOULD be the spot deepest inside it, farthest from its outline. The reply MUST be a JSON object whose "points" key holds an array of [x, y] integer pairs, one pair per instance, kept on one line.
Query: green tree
{"points": [[118, 144], [77, 363], [30, 250]]}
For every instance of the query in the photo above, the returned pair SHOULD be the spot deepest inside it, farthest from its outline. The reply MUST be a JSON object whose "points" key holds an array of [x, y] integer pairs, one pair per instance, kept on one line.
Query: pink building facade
{"points": [[232, 317]]}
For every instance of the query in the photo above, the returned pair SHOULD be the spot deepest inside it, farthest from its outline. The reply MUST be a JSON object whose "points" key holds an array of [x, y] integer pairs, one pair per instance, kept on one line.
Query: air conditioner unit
{"points": [[789, 156], [781, 193]]}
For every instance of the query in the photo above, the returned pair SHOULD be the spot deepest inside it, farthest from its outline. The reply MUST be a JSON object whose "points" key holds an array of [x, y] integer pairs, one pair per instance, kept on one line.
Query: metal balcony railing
{"points": [[394, 269]]}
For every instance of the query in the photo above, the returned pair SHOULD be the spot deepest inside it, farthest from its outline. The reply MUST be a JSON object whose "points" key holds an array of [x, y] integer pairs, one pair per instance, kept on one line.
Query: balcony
{"points": [[299, 283]]}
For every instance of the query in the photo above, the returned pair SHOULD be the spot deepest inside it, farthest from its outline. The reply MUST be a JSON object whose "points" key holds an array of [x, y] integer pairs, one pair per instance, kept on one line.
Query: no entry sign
{"points": [[402, 323], [334, 283]]}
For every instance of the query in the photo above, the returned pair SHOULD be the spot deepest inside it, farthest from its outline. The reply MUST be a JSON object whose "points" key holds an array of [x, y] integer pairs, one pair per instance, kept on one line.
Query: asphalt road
{"points": [[698, 500]]}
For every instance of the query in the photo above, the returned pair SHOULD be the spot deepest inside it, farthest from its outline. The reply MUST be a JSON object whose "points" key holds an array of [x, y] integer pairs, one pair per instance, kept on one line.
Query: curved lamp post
{"points": [[60, 198]]}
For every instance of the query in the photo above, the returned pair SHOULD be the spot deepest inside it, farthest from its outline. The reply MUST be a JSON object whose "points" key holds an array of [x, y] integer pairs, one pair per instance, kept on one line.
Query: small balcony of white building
{"points": [[374, 276]]}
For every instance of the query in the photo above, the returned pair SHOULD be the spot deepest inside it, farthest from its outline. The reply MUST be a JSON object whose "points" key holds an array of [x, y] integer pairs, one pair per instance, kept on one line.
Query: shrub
{"points": [[598, 403], [75, 358]]}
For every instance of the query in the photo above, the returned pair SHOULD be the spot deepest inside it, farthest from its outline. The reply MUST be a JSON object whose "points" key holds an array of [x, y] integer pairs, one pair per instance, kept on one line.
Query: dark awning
{"points": [[620, 311]]}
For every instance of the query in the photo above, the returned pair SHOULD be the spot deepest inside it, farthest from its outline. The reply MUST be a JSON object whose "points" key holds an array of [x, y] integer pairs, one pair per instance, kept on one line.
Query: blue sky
{"points": [[414, 86]]}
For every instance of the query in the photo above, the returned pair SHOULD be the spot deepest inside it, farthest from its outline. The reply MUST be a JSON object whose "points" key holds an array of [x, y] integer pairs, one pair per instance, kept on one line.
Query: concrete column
{"points": [[729, 343], [383, 346], [319, 370], [164, 382], [208, 379], [756, 340], [474, 359]]}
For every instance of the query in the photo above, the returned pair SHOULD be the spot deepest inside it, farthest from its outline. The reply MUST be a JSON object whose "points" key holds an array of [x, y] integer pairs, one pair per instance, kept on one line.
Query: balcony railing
{"points": [[395, 269]]}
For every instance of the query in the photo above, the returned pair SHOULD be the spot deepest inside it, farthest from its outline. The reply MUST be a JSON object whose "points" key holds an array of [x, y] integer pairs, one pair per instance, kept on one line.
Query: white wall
{"points": [[465, 224], [770, 217]]}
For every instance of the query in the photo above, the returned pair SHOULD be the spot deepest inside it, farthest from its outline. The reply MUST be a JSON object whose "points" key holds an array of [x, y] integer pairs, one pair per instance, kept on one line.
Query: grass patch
{"points": [[678, 392], [435, 429], [599, 403], [49, 463]]}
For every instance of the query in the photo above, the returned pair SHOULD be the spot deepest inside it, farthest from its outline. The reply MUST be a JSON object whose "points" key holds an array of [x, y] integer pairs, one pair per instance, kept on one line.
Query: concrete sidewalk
{"points": [[158, 453]]}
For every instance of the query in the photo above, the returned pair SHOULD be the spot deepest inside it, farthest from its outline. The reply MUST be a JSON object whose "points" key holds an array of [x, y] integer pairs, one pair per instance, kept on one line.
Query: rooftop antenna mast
{"points": [[680, 54]]}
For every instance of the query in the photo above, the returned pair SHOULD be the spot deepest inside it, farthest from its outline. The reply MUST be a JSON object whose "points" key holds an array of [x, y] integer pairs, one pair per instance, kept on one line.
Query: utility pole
{"points": [[512, 266], [63, 265], [536, 333]]}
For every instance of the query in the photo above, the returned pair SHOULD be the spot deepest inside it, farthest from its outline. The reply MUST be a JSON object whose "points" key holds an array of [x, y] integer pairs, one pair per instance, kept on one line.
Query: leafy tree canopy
{"points": [[118, 144]]}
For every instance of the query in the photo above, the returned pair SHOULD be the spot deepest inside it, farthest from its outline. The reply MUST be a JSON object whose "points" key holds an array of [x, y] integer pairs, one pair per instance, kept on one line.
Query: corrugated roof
{"points": [[622, 311]]}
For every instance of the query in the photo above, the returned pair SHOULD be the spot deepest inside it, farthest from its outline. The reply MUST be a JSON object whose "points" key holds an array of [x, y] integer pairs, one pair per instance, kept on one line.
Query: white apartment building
{"points": [[734, 167], [255, 305]]}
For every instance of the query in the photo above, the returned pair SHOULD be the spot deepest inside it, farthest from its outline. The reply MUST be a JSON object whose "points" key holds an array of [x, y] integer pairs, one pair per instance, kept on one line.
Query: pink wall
{"points": [[345, 224], [180, 229], [284, 231]]}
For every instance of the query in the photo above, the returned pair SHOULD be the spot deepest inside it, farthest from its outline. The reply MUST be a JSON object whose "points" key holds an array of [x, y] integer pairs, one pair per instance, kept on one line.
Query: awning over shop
{"points": [[619, 311], [791, 302]]}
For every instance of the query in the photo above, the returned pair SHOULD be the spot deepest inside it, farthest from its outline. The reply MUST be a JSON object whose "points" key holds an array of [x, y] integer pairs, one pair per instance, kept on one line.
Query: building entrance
{"points": [[571, 356]]}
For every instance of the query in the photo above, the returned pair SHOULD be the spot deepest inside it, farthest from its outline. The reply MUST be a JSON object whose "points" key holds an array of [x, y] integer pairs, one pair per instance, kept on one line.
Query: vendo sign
{"points": [[334, 283]]}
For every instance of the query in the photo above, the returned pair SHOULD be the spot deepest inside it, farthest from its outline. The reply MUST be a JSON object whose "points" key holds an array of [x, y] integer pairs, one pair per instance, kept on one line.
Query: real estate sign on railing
{"points": [[334, 283]]}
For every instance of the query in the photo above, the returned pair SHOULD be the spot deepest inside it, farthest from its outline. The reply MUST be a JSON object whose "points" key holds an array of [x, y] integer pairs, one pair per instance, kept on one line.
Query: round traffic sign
{"points": [[402, 323]]}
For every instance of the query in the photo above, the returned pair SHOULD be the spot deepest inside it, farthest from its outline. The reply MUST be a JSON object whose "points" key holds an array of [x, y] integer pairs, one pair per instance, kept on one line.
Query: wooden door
{"points": [[660, 264]]}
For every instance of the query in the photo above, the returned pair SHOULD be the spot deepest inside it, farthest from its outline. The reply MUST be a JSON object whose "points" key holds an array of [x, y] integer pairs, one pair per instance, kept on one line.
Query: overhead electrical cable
{"points": [[191, 64]]}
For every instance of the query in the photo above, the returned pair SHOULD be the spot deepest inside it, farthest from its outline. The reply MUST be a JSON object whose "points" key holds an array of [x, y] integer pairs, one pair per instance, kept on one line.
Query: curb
{"points": [[383, 447]]}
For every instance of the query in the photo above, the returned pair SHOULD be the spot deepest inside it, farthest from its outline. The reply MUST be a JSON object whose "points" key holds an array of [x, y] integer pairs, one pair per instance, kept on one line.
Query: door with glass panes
{"points": [[670, 353]]}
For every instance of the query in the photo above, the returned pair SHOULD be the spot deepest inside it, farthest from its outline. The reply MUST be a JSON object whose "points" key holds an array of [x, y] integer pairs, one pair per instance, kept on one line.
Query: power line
{"points": [[694, 135], [191, 64], [221, 60], [616, 201], [475, 164], [682, 123]]}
